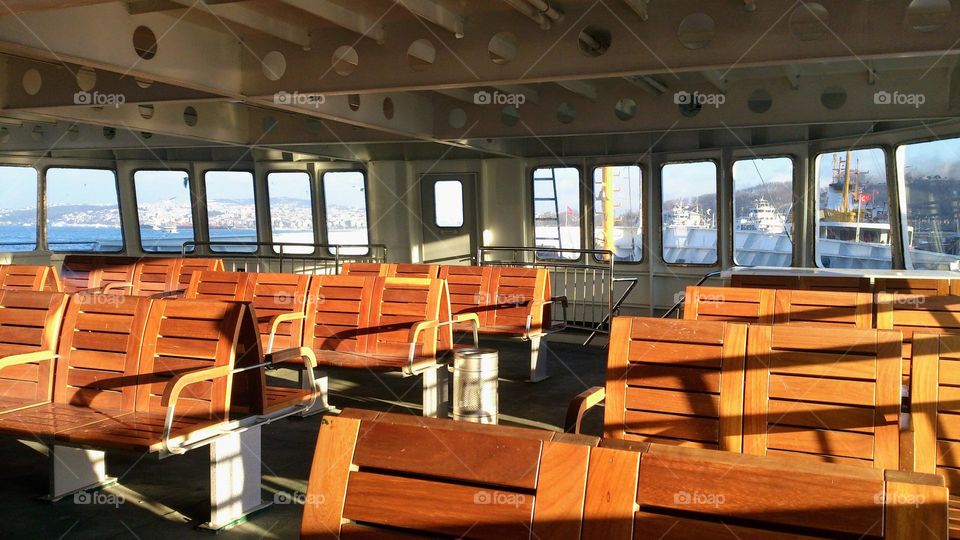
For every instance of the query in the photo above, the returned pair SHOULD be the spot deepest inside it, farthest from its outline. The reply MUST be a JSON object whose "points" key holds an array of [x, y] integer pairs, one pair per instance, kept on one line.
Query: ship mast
{"points": [[845, 204]]}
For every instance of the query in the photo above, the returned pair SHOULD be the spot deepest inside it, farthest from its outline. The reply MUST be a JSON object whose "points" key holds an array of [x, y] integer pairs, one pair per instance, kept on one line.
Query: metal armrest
{"points": [[26, 358], [474, 321], [168, 294], [296, 353], [585, 401], [172, 393], [275, 323], [414, 337], [109, 287]]}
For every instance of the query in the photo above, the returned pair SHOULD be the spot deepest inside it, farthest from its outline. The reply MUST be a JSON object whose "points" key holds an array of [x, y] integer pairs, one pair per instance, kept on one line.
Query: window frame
{"points": [[366, 208], [644, 238], [41, 183], [206, 208], [533, 212], [793, 221], [716, 165], [190, 195], [895, 236], [313, 214], [46, 215], [436, 215]]}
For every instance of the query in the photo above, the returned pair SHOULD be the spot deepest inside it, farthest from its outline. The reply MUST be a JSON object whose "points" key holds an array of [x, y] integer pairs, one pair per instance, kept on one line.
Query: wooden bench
{"points": [[670, 381], [29, 331], [391, 270], [912, 313], [30, 278], [507, 301], [125, 275], [807, 283], [83, 273], [826, 396], [933, 287], [935, 403], [482, 481], [766, 306]]}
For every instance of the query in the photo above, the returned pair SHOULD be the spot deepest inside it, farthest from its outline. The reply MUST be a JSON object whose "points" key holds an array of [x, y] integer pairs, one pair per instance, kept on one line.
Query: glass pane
{"points": [[932, 177], [164, 210], [689, 197], [83, 212], [763, 212], [345, 197], [291, 211], [448, 203], [18, 208], [556, 211], [617, 219], [854, 210], [231, 210]]}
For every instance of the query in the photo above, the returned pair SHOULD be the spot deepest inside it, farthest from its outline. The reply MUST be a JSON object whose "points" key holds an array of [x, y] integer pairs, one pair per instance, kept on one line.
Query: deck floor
{"points": [[165, 499]]}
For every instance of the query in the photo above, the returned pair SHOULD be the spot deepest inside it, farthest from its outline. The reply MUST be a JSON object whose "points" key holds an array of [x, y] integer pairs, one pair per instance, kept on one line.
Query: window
{"points": [[448, 203], [164, 210], [617, 219], [345, 197], [291, 211], [689, 212], [231, 210], [83, 211], [763, 212], [931, 173], [18, 208], [853, 215], [556, 211]]}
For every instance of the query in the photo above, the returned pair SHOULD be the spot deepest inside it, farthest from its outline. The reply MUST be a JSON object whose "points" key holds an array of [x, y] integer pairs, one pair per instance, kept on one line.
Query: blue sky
{"points": [[748, 173], [688, 180]]}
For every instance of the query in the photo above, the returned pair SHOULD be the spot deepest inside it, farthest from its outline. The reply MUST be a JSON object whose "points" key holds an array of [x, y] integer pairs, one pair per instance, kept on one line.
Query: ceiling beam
{"points": [[716, 78], [792, 73], [640, 7], [526, 9], [584, 88], [342, 17], [256, 18], [435, 13]]}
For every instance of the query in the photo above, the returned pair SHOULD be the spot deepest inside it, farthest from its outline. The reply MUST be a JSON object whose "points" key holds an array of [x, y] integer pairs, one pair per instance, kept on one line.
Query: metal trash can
{"points": [[475, 375]]}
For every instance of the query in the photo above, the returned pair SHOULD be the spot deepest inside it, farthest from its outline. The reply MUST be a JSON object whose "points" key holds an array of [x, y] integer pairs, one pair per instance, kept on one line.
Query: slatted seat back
{"points": [[81, 272], [189, 335], [30, 278], [469, 289], [337, 311], [364, 269], [396, 305], [273, 294], [431, 271], [208, 285], [825, 396], [463, 482], [729, 304], [817, 308], [764, 282], [154, 275], [935, 402], [189, 265], [676, 382], [29, 322], [515, 294], [932, 287], [99, 351], [835, 283], [912, 313]]}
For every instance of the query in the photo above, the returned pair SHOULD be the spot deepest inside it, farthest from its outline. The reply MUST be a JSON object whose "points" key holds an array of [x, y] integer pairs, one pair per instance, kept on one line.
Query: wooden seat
{"points": [[935, 413], [912, 313], [30, 278], [391, 270], [673, 382], [824, 396], [29, 331], [364, 269], [835, 284], [730, 304], [932, 287], [95, 272], [482, 481], [817, 308], [759, 281]]}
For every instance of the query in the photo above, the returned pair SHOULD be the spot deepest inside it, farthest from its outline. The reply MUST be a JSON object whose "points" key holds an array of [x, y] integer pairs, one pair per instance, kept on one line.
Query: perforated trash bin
{"points": [[475, 374]]}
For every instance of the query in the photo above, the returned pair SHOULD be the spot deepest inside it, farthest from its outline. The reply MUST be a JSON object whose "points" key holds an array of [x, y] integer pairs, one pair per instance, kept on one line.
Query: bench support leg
{"points": [[538, 359], [74, 470], [436, 392], [234, 479], [322, 385]]}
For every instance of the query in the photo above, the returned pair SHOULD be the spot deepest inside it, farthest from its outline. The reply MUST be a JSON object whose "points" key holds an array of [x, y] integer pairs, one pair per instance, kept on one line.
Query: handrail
{"points": [[683, 298], [331, 255]]}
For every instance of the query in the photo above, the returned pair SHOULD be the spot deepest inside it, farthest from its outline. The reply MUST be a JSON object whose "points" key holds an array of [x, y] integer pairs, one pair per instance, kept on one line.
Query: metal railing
{"points": [[289, 257], [585, 276]]}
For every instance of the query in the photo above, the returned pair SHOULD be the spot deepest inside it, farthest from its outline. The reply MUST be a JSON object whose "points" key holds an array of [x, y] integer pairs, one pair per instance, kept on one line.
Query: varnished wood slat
{"points": [[611, 494], [674, 527], [914, 509], [561, 490]]}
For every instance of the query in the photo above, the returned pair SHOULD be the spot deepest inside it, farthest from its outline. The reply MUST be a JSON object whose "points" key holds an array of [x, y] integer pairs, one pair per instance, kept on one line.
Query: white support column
{"points": [[436, 392], [74, 470], [538, 359], [234, 479], [321, 384]]}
